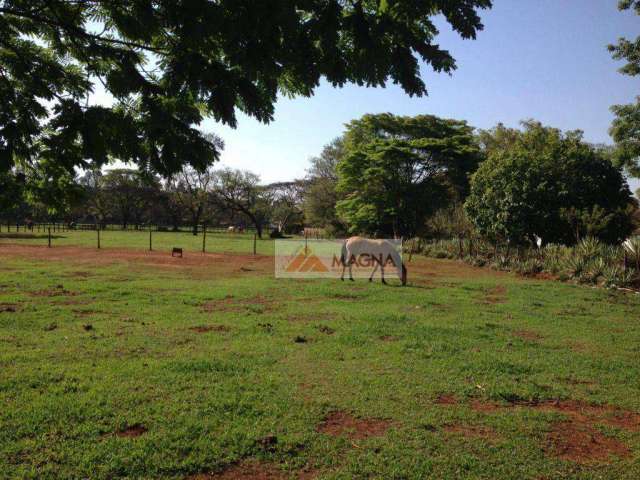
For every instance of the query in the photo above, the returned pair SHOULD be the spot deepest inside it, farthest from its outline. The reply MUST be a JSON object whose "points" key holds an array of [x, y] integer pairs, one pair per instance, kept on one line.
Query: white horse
{"points": [[379, 251]]}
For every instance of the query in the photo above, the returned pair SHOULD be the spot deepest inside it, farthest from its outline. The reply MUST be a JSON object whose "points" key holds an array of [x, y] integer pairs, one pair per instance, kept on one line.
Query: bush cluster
{"points": [[588, 262]]}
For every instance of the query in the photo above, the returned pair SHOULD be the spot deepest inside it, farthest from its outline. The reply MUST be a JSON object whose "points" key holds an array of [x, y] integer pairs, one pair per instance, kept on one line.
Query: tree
{"points": [[398, 170], [169, 64], [550, 184], [286, 206], [129, 194], [320, 195], [11, 193], [241, 192], [97, 201], [192, 189], [625, 128]]}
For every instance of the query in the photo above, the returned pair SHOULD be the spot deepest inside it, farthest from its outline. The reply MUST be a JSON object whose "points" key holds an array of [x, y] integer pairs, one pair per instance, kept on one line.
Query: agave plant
{"points": [[575, 266], [589, 248], [596, 268], [612, 276], [632, 251]]}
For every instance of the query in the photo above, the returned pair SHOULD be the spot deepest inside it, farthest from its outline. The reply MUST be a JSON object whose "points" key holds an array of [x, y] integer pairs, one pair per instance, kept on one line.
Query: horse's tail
{"points": [[344, 253]]}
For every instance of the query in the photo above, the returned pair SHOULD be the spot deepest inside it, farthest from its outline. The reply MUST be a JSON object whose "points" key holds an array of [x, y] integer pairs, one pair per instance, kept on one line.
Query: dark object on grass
{"points": [[276, 234], [88, 327], [176, 251], [50, 327], [269, 442], [300, 339]]}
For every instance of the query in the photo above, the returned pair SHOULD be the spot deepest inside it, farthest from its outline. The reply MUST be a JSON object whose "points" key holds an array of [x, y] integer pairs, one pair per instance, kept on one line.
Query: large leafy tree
{"points": [[240, 192], [321, 196], [129, 194], [171, 63], [625, 129], [192, 190], [398, 170], [550, 184]]}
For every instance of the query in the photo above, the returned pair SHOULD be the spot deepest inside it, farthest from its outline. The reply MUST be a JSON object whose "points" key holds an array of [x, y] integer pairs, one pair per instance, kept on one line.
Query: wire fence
{"points": [[204, 239]]}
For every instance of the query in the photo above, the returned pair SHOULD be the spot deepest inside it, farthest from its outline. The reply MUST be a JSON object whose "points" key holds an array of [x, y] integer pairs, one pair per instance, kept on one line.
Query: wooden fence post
{"points": [[49, 244], [255, 239], [98, 230], [150, 244], [204, 237]]}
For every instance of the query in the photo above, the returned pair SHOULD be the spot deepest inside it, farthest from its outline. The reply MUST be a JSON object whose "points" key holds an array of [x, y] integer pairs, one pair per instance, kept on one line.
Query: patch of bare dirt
{"points": [[232, 304], [446, 399], [575, 410], [420, 268], [485, 407], [210, 328], [581, 443], [132, 431], [389, 338], [254, 470], [494, 295], [528, 335], [582, 347], [195, 264], [341, 423]]}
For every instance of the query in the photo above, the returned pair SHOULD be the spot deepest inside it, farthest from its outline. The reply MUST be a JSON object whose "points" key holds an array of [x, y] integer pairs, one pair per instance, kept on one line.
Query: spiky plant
{"points": [[632, 250], [589, 248]]}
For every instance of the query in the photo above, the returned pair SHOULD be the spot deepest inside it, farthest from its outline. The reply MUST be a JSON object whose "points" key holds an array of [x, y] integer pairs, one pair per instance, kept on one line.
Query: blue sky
{"points": [[542, 59]]}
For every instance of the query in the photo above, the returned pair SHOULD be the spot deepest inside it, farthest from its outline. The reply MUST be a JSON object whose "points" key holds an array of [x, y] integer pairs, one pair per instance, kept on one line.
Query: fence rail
{"points": [[150, 238]]}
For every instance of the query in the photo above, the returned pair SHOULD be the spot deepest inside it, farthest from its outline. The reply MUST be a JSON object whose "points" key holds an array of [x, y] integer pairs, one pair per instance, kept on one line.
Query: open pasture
{"points": [[216, 241], [125, 363]]}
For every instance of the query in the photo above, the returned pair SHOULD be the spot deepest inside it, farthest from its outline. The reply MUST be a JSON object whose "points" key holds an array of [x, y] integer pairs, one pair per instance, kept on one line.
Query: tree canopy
{"points": [[169, 64], [625, 128], [551, 184], [398, 170]]}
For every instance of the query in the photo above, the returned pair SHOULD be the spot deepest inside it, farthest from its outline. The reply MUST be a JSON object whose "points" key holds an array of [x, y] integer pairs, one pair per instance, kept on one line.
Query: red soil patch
{"points": [[196, 264], [389, 338], [446, 399], [495, 295], [528, 335], [576, 439], [232, 304], [133, 431], [581, 443], [343, 424], [253, 470], [210, 328], [576, 410]]}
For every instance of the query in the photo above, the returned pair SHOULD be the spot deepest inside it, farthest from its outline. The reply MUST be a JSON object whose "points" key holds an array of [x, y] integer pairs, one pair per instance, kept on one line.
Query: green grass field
{"points": [[162, 241], [151, 367]]}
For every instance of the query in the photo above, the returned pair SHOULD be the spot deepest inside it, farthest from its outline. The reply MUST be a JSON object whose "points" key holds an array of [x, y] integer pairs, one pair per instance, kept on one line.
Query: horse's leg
{"points": [[382, 274], [374, 271], [350, 270]]}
